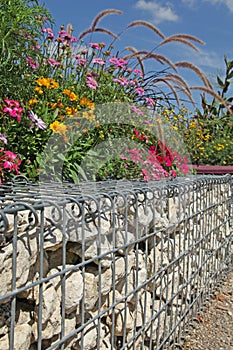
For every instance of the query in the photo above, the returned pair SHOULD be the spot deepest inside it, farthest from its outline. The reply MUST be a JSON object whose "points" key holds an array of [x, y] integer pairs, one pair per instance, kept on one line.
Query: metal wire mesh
{"points": [[110, 265]]}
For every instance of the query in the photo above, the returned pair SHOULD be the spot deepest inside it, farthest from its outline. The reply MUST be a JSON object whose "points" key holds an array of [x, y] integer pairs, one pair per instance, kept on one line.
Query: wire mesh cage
{"points": [[111, 264]]}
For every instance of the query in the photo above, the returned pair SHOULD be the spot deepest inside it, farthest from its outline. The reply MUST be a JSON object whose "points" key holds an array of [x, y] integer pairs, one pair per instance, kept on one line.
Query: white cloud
{"points": [[227, 3], [160, 13]]}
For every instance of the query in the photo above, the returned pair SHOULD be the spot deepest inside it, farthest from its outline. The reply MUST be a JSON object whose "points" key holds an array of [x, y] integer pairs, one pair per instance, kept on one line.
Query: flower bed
{"points": [[57, 83]]}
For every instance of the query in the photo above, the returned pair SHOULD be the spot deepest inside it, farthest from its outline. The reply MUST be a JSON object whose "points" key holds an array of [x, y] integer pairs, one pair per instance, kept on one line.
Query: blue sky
{"points": [[209, 20]]}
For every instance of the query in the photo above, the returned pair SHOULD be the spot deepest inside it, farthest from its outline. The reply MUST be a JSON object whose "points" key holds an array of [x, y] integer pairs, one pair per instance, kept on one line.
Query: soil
{"points": [[214, 329]]}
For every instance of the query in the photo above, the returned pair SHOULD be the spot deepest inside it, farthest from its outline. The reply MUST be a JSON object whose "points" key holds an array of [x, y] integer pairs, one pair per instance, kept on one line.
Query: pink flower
{"points": [[81, 61], [98, 61], [91, 82], [146, 175], [49, 31], [136, 110], [138, 72], [173, 173], [3, 139], [184, 168], [150, 102], [135, 155], [52, 62], [123, 157], [64, 34], [95, 46], [121, 81], [11, 103], [140, 91], [118, 62], [32, 63]]}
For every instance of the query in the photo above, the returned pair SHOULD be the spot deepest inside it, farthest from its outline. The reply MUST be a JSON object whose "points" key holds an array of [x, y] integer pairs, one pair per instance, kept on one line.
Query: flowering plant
{"points": [[64, 79], [9, 163], [207, 133]]}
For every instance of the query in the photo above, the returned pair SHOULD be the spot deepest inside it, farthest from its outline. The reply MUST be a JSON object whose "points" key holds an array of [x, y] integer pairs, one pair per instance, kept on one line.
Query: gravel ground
{"points": [[214, 331]]}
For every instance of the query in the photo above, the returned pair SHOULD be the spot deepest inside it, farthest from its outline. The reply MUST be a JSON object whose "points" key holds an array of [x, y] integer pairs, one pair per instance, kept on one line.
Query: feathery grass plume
{"points": [[198, 71], [134, 50], [103, 14], [106, 31], [160, 58], [100, 30], [182, 85], [190, 37], [148, 25], [69, 28], [172, 88], [186, 92], [178, 38], [214, 94]]}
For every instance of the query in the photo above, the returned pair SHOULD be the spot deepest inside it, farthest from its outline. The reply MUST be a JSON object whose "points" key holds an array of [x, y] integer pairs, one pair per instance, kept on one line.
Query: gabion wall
{"points": [[110, 265]]}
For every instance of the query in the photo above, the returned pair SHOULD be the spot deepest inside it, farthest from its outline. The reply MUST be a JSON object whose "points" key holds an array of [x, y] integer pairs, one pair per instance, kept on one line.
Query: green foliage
{"points": [[20, 33]]}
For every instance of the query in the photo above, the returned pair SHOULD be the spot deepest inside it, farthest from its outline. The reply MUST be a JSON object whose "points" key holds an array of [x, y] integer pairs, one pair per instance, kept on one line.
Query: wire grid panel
{"points": [[121, 266]]}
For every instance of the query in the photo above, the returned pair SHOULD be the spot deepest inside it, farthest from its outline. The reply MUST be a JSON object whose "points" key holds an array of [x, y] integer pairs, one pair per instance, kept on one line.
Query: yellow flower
{"points": [[89, 115], [33, 101], [193, 124], [58, 127]]}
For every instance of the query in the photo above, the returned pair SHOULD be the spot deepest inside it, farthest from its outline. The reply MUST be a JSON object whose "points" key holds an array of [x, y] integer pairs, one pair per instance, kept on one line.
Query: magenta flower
{"points": [[95, 46], [32, 63], [167, 161], [184, 168], [13, 109], [91, 82], [11, 103], [140, 91]]}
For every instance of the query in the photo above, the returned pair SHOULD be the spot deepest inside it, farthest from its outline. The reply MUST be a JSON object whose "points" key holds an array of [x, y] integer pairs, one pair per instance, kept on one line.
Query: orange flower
{"points": [[47, 82], [72, 96], [32, 101], [39, 90], [71, 110], [85, 101]]}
